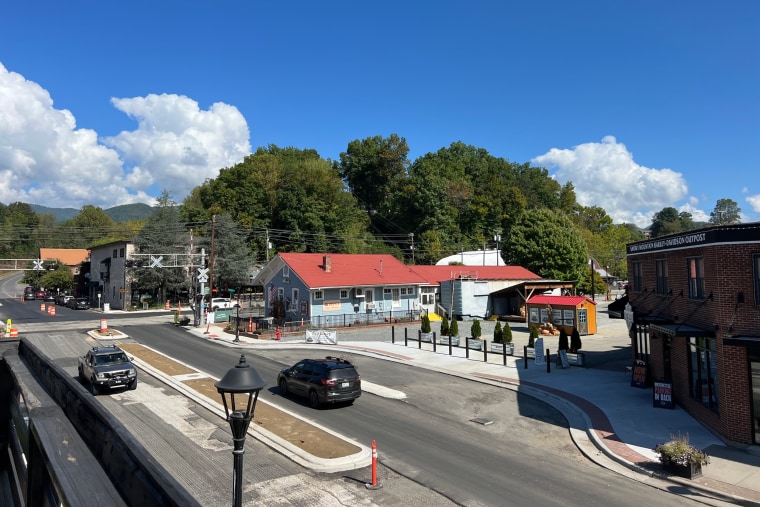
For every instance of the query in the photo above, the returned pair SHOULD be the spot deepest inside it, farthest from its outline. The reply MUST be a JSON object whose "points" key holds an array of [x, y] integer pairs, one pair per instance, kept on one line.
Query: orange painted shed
{"points": [[564, 312]]}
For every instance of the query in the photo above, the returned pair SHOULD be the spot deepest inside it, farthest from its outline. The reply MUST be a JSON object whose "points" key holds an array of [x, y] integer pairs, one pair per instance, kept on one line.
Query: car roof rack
{"points": [[337, 359]]}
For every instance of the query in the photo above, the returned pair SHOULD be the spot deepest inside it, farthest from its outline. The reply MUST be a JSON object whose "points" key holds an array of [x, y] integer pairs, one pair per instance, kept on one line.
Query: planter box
{"points": [[475, 344], [498, 348], [444, 340], [689, 471], [426, 337]]}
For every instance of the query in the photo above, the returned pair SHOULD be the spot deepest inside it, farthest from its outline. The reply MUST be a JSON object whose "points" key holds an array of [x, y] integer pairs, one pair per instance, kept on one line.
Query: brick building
{"points": [[694, 315]]}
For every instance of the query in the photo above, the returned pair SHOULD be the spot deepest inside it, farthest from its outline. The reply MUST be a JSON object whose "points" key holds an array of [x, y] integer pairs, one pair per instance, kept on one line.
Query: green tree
{"points": [[90, 225], [372, 168], [163, 234], [548, 244], [726, 212], [58, 280], [670, 221], [18, 231], [232, 259]]}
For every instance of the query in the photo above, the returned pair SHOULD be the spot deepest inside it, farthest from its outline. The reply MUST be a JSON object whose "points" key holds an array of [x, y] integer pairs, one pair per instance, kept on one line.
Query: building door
{"points": [[755, 371], [582, 321]]}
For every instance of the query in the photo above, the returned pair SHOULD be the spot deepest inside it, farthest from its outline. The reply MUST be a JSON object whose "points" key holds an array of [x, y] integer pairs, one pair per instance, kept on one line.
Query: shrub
{"points": [[454, 329], [425, 325], [506, 334], [575, 341], [475, 330], [532, 335], [444, 326], [677, 451], [563, 342], [498, 335]]}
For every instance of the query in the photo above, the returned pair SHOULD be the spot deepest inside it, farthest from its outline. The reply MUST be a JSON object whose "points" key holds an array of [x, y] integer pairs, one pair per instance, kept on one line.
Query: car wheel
{"points": [[214, 308], [81, 376], [133, 385], [313, 399], [93, 388], [283, 387]]}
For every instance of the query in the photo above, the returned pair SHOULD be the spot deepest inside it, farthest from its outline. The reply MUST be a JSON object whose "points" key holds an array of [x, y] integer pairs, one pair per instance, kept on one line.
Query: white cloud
{"points": [[45, 159], [754, 201], [604, 174]]}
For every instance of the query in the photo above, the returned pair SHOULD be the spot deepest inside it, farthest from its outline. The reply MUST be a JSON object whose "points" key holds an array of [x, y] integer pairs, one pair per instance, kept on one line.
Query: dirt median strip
{"points": [[294, 430]]}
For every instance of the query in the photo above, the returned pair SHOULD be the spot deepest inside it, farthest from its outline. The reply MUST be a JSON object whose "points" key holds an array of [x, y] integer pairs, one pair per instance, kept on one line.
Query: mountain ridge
{"points": [[121, 213]]}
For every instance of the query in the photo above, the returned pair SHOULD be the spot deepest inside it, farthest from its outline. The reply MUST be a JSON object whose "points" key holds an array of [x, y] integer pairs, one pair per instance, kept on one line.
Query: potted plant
{"points": [[445, 326], [454, 332], [506, 338], [447, 332], [474, 341], [532, 336], [681, 458], [496, 344], [576, 357], [426, 334]]}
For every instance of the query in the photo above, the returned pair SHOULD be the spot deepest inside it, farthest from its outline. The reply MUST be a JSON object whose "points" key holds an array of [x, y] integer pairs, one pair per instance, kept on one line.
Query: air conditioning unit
{"points": [[370, 306]]}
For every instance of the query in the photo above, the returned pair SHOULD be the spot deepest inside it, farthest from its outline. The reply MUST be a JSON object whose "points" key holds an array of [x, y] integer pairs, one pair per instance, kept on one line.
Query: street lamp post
{"points": [[244, 381]]}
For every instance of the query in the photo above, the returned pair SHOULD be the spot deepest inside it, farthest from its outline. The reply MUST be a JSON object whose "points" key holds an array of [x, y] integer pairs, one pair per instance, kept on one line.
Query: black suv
{"points": [[328, 380]]}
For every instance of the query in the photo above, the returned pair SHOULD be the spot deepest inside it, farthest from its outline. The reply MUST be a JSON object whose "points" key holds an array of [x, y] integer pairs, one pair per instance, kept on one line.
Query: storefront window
{"points": [[662, 277], [703, 372], [696, 272]]}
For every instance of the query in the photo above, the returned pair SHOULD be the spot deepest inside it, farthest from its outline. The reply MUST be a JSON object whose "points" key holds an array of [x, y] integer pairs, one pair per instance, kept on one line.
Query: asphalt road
{"points": [[431, 452], [525, 455]]}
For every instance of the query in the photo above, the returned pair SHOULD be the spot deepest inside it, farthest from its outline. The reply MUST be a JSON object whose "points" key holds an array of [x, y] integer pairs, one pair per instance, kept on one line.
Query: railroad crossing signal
{"points": [[38, 265], [203, 275], [155, 262]]}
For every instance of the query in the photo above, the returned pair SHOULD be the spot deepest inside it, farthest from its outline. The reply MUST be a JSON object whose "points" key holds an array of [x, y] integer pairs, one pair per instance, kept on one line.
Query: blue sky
{"points": [[641, 105]]}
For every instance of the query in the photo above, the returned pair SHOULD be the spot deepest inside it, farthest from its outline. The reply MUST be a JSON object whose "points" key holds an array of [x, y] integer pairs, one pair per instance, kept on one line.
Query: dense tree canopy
{"points": [[547, 243], [670, 221], [372, 167], [372, 200]]}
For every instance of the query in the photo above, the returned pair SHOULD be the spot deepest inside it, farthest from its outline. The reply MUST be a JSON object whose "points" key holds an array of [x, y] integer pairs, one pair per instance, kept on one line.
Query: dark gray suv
{"points": [[322, 381]]}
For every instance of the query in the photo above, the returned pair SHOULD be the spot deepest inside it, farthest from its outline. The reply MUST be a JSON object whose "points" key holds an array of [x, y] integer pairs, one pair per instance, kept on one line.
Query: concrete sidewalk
{"points": [[611, 422]]}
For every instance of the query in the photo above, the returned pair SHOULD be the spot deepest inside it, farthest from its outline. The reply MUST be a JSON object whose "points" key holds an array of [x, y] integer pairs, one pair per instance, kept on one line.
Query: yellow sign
{"points": [[8, 326]]}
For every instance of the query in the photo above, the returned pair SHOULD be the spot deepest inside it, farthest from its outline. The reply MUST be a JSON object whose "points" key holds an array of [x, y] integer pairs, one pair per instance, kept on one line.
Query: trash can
{"points": [[106, 307]]}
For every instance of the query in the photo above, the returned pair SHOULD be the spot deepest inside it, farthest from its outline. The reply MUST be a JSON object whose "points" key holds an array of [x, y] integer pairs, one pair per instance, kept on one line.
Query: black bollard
{"points": [[548, 362], [525, 355]]}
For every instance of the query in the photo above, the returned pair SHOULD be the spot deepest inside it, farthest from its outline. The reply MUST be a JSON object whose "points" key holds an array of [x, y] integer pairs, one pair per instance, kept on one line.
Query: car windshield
{"points": [[116, 358]]}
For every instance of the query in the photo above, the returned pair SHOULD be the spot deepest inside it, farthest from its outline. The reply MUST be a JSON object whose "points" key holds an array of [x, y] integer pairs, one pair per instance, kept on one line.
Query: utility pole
{"points": [[411, 236], [267, 245], [211, 258]]}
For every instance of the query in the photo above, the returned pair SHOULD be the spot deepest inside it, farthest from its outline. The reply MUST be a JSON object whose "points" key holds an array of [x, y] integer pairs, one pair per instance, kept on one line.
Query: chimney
{"points": [[327, 263]]}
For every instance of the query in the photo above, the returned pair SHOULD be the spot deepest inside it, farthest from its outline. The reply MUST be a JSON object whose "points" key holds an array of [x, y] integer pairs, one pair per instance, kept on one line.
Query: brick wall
{"points": [[729, 310]]}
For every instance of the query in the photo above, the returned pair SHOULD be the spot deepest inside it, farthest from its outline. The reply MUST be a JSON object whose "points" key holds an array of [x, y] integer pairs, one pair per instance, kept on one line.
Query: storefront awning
{"points": [[681, 330]]}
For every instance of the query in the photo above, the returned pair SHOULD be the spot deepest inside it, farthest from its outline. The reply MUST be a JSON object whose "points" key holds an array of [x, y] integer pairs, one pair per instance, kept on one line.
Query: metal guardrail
{"points": [[61, 447]]}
